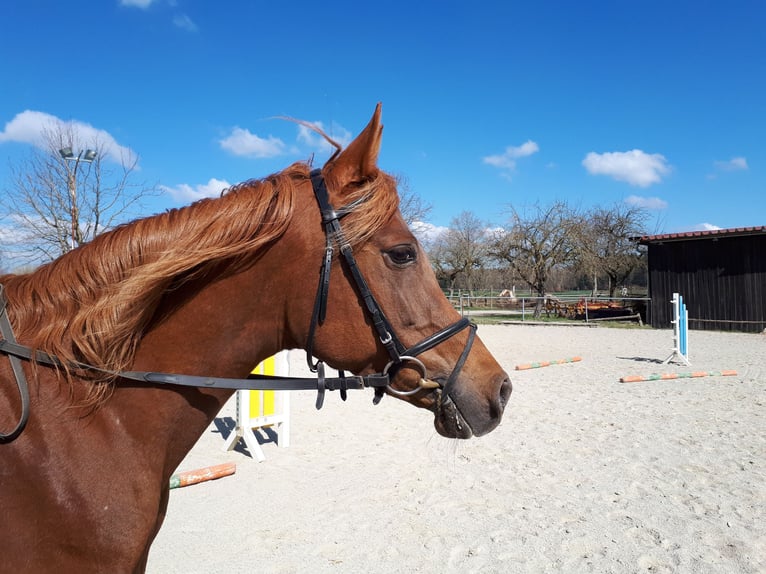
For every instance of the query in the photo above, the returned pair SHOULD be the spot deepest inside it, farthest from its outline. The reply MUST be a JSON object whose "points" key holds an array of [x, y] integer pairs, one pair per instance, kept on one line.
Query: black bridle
{"points": [[397, 352], [399, 355]]}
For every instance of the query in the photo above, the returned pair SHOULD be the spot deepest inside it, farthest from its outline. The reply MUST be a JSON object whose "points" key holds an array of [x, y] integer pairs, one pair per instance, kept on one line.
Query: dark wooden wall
{"points": [[722, 281]]}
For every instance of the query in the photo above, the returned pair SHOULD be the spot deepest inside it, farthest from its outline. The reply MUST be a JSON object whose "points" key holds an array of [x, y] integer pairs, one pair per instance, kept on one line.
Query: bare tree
{"points": [[606, 242], [59, 198], [414, 210], [441, 259], [461, 250], [537, 243]]}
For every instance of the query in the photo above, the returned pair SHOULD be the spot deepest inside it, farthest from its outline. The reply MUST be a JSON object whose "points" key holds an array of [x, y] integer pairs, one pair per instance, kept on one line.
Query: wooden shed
{"points": [[721, 275]]}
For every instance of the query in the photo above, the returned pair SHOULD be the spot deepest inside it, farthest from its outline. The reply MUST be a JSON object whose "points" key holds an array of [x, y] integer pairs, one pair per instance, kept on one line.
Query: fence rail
{"points": [[578, 307]]}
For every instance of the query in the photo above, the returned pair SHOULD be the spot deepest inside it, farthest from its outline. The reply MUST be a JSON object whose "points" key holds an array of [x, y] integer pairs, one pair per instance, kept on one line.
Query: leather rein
{"points": [[399, 355]]}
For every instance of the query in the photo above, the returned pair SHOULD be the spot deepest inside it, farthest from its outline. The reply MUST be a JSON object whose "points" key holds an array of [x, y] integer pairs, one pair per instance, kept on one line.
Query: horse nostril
{"points": [[497, 406], [505, 391]]}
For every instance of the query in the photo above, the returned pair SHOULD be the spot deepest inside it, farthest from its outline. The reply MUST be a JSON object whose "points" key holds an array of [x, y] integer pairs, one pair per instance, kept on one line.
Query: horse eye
{"points": [[402, 255]]}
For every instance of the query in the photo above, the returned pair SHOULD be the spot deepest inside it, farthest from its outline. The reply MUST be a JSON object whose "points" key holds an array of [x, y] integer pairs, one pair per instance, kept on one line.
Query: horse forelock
{"points": [[380, 202], [93, 305]]}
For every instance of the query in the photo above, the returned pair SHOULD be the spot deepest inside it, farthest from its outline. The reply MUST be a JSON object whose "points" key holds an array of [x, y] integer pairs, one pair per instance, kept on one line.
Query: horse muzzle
{"points": [[467, 411]]}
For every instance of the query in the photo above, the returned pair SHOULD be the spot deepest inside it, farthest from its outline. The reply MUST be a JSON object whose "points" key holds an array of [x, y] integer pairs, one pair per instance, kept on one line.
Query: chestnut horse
{"points": [[211, 289]]}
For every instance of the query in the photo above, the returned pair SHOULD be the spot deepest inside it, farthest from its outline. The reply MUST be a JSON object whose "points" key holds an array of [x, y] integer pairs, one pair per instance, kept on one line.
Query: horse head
{"points": [[455, 377]]}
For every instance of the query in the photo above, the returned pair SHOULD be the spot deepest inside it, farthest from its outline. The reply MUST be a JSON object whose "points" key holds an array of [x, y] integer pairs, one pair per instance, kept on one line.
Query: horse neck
{"points": [[219, 328]]}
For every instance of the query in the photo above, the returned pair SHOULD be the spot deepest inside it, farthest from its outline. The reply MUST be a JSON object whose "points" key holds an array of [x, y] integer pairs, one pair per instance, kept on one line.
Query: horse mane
{"points": [[94, 304]]}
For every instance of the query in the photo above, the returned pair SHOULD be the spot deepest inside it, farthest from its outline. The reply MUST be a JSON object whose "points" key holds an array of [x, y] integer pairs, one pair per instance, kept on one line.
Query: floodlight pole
{"points": [[86, 156]]}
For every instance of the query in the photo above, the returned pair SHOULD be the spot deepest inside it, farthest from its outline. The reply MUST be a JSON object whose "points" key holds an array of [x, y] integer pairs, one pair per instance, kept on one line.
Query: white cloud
{"points": [[491, 232], [184, 193], [31, 126], [11, 229], [184, 22], [734, 164], [137, 3], [244, 143], [315, 141], [28, 127], [706, 227], [427, 232], [646, 202], [507, 160], [634, 167]]}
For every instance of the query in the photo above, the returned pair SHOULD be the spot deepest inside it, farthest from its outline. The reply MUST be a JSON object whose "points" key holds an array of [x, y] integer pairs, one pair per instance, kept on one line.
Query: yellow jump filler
{"points": [[261, 409]]}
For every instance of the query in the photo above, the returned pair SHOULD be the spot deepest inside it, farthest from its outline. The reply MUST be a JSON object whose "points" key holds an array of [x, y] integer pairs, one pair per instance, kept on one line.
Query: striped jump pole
{"points": [[202, 474], [680, 331], [547, 363], [671, 376]]}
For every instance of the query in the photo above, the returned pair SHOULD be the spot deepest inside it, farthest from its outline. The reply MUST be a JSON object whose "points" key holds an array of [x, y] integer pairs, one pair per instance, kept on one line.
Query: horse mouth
{"points": [[448, 420], [460, 413]]}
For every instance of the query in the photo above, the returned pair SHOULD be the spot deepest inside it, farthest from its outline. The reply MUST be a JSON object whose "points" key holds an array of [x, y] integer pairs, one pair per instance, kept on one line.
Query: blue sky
{"points": [[485, 104]]}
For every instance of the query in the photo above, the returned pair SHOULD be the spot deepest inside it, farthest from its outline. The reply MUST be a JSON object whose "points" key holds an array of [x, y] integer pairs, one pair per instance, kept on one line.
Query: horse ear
{"points": [[360, 159]]}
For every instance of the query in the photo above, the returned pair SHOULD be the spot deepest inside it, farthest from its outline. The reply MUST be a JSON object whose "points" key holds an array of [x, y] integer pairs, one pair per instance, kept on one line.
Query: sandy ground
{"points": [[585, 474]]}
